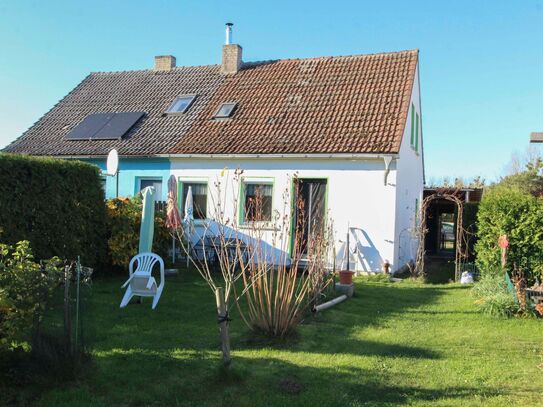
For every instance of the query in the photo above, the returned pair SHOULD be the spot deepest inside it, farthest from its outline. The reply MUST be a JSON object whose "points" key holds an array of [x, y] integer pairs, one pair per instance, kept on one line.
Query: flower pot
{"points": [[346, 277]]}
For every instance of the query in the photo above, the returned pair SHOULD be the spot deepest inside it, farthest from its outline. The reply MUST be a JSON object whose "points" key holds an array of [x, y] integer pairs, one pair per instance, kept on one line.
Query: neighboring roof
{"points": [[352, 104]]}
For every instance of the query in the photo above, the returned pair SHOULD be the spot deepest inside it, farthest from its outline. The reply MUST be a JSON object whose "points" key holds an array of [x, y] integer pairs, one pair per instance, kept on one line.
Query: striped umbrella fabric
{"points": [[173, 217]]}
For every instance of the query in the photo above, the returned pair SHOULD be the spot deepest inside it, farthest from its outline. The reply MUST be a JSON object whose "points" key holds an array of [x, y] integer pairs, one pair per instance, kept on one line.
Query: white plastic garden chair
{"points": [[141, 282]]}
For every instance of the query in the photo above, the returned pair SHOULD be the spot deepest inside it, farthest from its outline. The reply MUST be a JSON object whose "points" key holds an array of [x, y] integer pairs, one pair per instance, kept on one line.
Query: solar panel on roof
{"points": [[89, 126], [118, 125], [104, 126]]}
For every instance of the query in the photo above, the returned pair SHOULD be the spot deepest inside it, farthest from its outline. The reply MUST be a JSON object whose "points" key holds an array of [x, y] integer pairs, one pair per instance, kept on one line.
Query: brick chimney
{"points": [[164, 62], [231, 54]]}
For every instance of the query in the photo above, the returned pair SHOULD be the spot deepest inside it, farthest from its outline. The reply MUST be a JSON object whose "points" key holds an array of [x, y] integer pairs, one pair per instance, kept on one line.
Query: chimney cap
{"points": [[229, 24]]}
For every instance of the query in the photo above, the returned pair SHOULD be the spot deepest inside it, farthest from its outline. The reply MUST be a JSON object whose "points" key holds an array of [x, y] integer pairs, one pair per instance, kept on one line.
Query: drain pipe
{"points": [[330, 303], [387, 159]]}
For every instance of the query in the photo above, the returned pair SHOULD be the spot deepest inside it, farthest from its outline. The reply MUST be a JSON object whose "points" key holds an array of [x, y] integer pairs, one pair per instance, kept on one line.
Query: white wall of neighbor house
{"points": [[409, 182], [356, 196]]}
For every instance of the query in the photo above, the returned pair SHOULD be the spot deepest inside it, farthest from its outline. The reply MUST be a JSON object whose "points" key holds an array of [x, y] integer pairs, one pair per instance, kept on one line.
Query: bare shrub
{"points": [[279, 292], [247, 255]]}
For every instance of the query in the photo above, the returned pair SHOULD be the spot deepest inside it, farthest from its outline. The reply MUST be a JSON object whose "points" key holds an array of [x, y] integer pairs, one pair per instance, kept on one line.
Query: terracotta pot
{"points": [[346, 277]]}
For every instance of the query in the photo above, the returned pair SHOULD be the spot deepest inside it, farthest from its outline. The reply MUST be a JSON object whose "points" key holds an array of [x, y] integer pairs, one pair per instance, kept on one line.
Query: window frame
{"points": [[178, 113], [230, 114], [242, 198], [181, 181], [150, 178], [416, 124]]}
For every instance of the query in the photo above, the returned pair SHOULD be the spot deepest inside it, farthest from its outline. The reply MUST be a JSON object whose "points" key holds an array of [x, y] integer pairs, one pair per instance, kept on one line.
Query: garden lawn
{"points": [[393, 343]]}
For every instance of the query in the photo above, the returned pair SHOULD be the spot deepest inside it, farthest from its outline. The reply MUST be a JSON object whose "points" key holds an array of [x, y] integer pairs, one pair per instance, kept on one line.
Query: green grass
{"points": [[403, 343]]}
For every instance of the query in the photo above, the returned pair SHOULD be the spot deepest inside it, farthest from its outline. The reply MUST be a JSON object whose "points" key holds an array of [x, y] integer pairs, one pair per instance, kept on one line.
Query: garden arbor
{"points": [[459, 231]]}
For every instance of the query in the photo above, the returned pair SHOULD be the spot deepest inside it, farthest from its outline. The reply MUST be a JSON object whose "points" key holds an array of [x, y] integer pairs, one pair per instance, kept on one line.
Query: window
{"points": [[412, 125], [103, 181], [226, 110], [181, 104], [157, 183], [257, 202], [417, 134], [415, 125], [199, 199]]}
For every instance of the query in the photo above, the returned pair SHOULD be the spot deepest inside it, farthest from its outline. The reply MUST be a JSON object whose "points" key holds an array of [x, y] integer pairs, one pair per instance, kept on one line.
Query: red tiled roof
{"points": [[353, 104]]}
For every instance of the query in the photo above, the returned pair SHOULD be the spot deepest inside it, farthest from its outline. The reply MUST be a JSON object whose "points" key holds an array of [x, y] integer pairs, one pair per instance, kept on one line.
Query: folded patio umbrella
{"points": [[147, 227], [189, 217], [173, 217]]}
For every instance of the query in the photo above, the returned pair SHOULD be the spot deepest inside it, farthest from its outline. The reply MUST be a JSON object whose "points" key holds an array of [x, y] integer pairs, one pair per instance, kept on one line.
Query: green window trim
{"points": [[412, 125], [417, 135], [242, 196], [181, 182]]}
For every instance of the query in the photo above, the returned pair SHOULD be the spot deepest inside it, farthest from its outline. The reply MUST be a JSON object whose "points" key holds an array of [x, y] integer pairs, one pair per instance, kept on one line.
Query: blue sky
{"points": [[481, 61]]}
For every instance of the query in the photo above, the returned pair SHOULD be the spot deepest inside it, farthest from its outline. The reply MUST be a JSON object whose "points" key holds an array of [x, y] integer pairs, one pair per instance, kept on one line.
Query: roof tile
{"points": [[353, 104]]}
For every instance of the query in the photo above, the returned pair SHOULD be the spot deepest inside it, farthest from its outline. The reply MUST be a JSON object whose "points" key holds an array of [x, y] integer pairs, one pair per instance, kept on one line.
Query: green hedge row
{"points": [[518, 214], [58, 205]]}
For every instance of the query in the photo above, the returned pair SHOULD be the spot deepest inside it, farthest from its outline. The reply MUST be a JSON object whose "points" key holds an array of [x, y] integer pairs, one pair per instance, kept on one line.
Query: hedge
{"points": [[57, 205], [519, 215]]}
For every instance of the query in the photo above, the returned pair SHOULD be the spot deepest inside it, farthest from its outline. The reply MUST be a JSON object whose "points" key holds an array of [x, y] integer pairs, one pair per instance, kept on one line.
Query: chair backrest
{"points": [[145, 264]]}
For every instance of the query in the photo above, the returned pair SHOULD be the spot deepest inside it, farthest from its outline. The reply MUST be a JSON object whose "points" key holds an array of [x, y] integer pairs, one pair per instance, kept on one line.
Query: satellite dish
{"points": [[112, 164]]}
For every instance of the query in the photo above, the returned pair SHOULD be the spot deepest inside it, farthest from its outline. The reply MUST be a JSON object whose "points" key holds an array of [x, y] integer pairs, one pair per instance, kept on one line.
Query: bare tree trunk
{"points": [[223, 326]]}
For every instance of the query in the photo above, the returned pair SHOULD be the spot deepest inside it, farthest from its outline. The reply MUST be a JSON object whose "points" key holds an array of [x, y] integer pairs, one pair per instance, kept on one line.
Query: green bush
{"points": [[57, 205], [493, 297], [469, 222], [517, 213], [124, 220], [25, 289]]}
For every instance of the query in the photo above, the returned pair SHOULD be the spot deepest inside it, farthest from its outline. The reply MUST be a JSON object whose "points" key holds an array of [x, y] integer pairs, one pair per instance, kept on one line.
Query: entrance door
{"points": [[309, 212]]}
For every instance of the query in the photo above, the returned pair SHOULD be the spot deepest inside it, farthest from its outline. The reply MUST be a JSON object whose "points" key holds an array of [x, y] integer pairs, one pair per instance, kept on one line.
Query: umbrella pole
{"points": [[188, 254], [173, 250]]}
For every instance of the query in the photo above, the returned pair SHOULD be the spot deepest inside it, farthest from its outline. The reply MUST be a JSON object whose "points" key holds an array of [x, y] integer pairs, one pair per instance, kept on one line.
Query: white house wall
{"points": [[356, 196], [409, 186]]}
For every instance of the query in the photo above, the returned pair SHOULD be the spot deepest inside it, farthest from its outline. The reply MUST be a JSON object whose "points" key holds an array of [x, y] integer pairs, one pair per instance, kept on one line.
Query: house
{"points": [[350, 127]]}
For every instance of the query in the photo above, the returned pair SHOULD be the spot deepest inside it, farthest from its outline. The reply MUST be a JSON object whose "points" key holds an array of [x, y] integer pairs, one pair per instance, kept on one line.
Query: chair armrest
{"points": [[128, 281], [150, 283]]}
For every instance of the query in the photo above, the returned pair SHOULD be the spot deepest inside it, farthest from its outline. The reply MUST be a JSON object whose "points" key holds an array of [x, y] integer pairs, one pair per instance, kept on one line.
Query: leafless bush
{"points": [[278, 293], [251, 256]]}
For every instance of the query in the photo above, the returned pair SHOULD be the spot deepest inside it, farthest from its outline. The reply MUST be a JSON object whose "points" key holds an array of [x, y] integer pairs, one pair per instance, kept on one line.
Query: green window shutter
{"points": [[412, 125], [417, 135], [241, 202]]}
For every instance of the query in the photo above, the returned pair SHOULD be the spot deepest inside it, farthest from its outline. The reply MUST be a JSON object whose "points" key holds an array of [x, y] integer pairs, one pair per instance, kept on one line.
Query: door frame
{"points": [[292, 209]]}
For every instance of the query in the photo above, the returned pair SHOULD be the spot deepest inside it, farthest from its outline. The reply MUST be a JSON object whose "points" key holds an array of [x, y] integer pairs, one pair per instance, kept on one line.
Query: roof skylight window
{"points": [[181, 104], [226, 110]]}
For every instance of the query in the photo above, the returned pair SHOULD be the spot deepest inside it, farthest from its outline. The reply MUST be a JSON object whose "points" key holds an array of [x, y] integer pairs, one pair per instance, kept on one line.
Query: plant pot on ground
{"points": [[346, 277]]}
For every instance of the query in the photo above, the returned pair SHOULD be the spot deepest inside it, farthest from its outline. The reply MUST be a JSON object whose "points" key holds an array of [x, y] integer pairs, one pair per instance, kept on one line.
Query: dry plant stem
{"points": [[279, 293], [520, 287], [275, 292]]}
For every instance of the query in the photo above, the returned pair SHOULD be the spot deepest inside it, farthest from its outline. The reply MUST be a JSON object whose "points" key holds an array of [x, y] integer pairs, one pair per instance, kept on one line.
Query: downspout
{"points": [[387, 159]]}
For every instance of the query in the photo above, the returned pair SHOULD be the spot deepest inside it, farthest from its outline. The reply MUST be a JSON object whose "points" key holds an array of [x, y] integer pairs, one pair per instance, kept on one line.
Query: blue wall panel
{"points": [[131, 170]]}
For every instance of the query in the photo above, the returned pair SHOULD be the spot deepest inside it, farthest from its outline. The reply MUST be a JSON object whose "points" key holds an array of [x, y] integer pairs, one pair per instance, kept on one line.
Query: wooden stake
{"points": [[67, 311], [223, 326]]}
